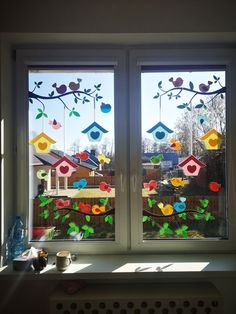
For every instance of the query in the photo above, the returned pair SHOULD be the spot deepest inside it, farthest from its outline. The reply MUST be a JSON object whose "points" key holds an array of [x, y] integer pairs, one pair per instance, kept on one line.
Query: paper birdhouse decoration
{"points": [[94, 132], [212, 139], [42, 143], [160, 132], [64, 167], [191, 166]]}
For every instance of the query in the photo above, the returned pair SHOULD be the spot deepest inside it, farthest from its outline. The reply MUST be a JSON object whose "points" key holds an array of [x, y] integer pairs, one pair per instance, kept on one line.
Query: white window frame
{"points": [[129, 226], [53, 57], [185, 56]]}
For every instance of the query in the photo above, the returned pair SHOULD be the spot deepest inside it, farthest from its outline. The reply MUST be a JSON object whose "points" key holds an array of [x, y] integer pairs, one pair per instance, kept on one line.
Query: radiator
{"points": [[158, 298]]}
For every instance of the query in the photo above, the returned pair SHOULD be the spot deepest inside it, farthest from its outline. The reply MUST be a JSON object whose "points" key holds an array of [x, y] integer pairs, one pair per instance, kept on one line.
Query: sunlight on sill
{"points": [[161, 267], [3, 268], [73, 268]]}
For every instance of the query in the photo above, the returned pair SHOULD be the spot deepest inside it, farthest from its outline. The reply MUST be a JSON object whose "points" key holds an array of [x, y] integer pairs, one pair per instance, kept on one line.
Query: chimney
{"points": [[92, 152]]}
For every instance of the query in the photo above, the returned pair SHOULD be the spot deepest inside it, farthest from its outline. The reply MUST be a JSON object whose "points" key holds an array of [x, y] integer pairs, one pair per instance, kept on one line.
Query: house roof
{"points": [[162, 125], [64, 158], [34, 161], [38, 137], [189, 158], [94, 124], [209, 133]]}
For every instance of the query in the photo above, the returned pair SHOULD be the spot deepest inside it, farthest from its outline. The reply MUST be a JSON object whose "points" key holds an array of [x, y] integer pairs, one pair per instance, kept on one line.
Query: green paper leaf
{"points": [[86, 234], [191, 86], [40, 83], [31, 100], [71, 113], [145, 218], [45, 115], [160, 84], [169, 231], [75, 100], [182, 106], [91, 230], [44, 214], [204, 203], [221, 96], [75, 206], [199, 106], [183, 216], [188, 108], [85, 227], [39, 116], [64, 218], [197, 216], [156, 96], [51, 94], [201, 101], [57, 215], [75, 113], [103, 201], [88, 218], [151, 202]]}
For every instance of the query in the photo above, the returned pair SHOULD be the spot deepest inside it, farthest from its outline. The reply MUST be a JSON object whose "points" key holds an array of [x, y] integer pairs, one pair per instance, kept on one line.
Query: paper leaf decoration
{"points": [[191, 166], [42, 143], [212, 139], [94, 132], [64, 167], [160, 132]]}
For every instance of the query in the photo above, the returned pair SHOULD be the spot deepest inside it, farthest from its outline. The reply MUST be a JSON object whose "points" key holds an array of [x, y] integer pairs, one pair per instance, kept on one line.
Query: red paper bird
{"points": [[178, 82], [215, 186], [75, 86], [151, 185], [105, 187], [61, 89], [82, 156], [55, 124], [205, 88]]}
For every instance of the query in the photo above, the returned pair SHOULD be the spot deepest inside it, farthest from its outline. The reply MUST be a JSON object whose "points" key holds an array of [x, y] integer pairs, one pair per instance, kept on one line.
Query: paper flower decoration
{"points": [[212, 139], [167, 209], [105, 187], [103, 159], [60, 203], [151, 185], [96, 209], [191, 166]]}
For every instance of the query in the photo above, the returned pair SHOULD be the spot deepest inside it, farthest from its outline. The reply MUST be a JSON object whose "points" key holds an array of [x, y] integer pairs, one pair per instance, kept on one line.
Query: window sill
{"points": [[136, 267]]}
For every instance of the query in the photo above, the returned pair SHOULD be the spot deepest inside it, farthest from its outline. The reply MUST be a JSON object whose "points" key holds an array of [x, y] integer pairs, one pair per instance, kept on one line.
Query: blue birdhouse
{"points": [[94, 132], [160, 132]]}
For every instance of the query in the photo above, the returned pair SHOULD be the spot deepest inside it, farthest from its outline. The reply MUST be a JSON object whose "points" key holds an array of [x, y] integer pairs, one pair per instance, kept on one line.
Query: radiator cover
{"points": [[158, 298]]}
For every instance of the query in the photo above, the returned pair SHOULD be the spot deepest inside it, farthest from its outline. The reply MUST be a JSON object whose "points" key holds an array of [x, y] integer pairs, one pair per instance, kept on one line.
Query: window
{"points": [[154, 183]]}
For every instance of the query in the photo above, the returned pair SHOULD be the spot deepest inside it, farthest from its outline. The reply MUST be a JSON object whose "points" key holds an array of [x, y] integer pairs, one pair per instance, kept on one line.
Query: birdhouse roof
{"points": [[162, 125], [42, 134], [96, 125], [67, 160], [193, 158], [209, 133]]}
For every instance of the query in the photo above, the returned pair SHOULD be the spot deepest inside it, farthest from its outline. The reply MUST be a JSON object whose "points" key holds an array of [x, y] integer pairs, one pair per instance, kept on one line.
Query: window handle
{"points": [[122, 182]]}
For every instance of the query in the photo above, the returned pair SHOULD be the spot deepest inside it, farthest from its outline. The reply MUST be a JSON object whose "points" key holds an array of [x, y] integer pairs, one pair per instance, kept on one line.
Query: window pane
{"points": [[71, 153], [183, 153]]}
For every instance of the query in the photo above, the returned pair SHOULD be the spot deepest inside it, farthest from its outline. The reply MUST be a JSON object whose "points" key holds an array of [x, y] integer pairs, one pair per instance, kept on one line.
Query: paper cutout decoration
{"points": [[55, 124], [156, 159], [215, 186], [94, 132], [81, 184], [167, 209], [64, 167], [103, 159], [105, 187], [177, 82], [75, 86], [42, 143], [191, 166], [205, 88], [82, 156], [96, 209], [212, 139], [61, 89], [60, 203], [42, 174], [105, 108], [151, 185], [177, 182], [85, 208], [180, 206], [160, 132], [151, 202], [175, 145]]}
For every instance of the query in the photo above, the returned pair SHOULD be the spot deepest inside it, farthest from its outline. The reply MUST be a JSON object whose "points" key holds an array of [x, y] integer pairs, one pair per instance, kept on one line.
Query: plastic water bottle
{"points": [[16, 240]]}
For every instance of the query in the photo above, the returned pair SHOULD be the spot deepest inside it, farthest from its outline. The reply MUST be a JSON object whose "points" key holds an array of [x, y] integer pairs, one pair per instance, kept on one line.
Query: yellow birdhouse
{"points": [[212, 139], [42, 143]]}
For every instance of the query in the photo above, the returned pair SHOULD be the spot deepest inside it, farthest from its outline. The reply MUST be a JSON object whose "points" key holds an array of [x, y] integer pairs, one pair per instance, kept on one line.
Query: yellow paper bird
{"points": [[177, 182], [103, 159], [175, 145], [167, 209]]}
